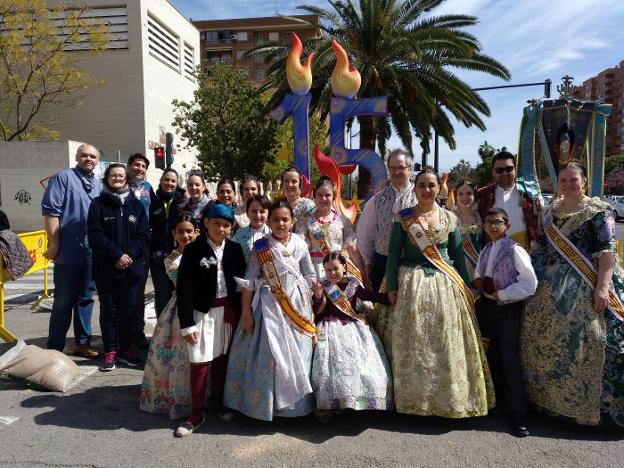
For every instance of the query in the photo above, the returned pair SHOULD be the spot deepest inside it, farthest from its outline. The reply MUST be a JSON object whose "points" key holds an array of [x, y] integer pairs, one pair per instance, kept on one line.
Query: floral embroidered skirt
{"points": [[572, 356], [166, 385], [350, 369], [438, 363], [250, 380]]}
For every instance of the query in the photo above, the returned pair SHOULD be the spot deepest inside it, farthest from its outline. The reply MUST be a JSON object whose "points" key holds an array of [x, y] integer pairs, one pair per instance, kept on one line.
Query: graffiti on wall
{"points": [[23, 197]]}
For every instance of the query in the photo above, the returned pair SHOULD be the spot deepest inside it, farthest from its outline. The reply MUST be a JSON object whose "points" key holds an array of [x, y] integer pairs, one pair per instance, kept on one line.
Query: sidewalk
{"points": [[31, 325]]}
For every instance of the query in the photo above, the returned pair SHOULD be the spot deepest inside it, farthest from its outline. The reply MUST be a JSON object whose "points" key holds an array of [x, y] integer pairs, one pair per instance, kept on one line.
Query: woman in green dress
{"points": [[572, 340], [437, 358]]}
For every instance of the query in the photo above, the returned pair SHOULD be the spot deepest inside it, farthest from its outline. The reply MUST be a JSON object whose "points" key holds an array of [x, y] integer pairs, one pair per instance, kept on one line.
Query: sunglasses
{"points": [[507, 169]]}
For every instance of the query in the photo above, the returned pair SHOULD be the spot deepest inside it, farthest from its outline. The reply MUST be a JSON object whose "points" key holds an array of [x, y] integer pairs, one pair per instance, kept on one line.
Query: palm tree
{"points": [[403, 52]]}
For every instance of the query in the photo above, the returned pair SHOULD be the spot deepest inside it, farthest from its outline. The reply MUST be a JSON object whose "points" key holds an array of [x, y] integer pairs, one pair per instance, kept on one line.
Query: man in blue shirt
{"points": [[141, 189], [65, 207]]}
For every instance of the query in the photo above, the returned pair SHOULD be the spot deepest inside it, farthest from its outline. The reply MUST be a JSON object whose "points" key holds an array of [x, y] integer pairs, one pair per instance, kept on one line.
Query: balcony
{"points": [[211, 61], [219, 41]]}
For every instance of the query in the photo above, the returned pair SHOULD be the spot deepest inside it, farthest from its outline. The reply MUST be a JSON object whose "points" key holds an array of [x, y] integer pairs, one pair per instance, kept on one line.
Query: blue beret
{"points": [[219, 210]]}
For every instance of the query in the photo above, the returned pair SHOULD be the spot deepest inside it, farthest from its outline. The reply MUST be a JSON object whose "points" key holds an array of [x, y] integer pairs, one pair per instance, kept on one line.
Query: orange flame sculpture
{"points": [[443, 186], [299, 76], [345, 83], [450, 201], [330, 168]]}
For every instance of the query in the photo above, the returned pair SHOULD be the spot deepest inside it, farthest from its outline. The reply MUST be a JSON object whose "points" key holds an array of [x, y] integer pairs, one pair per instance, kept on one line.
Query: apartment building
{"points": [[608, 85], [149, 62], [227, 40]]}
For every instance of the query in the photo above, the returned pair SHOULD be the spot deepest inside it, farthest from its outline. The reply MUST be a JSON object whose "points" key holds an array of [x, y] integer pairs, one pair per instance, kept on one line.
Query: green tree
{"points": [[38, 62], [614, 162], [285, 147], [463, 169], [483, 171], [402, 51], [227, 123]]}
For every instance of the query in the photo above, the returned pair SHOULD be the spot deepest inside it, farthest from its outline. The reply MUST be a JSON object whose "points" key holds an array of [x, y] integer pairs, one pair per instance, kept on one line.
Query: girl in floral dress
{"points": [[326, 230], [165, 388], [271, 357], [470, 225], [350, 369]]}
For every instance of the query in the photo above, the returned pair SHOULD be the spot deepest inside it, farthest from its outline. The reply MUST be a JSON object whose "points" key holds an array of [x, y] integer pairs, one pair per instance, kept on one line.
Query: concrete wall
{"points": [[23, 165], [127, 112], [109, 116], [162, 84]]}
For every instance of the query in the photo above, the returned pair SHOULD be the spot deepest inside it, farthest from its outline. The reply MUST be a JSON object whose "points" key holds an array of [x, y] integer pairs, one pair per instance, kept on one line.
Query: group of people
{"points": [[281, 308]]}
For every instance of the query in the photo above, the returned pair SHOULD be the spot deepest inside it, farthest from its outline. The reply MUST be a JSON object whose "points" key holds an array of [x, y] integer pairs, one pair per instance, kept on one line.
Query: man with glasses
{"points": [[65, 207], [375, 223], [511, 196]]}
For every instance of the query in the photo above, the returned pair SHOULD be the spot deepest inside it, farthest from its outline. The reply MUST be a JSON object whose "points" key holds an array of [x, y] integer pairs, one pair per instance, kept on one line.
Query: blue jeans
{"points": [[117, 304], [163, 287], [73, 292]]}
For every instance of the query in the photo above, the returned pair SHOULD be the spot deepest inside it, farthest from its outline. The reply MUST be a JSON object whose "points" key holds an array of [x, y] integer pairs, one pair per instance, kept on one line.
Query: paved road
{"points": [[98, 423]]}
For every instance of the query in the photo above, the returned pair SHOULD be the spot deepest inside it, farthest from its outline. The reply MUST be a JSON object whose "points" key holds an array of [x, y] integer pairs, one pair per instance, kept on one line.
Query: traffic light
{"points": [[547, 84], [159, 157], [169, 149]]}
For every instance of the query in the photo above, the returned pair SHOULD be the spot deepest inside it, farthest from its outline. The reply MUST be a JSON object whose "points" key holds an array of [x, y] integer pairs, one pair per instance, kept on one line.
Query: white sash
{"points": [[292, 380], [582, 266]]}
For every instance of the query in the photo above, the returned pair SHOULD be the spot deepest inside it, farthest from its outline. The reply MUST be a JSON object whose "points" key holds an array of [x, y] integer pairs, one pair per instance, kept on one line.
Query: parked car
{"points": [[617, 203]]}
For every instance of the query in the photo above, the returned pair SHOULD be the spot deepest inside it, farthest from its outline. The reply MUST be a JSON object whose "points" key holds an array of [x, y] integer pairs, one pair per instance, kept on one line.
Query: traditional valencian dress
{"points": [[471, 238], [301, 208], [269, 369], [573, 356], [247, 236], [350, 369], [324, 237], [165, 388], [438, 363]]}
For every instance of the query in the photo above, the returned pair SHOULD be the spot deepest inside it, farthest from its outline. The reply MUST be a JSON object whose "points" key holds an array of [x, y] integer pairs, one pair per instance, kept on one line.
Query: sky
{"points": [[534, 39]]}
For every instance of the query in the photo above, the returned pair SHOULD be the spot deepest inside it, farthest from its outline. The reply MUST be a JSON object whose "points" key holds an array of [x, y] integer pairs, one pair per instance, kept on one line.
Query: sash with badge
{"points": [[271, 276], [419, 237], [582, 266], [319, 237], [470, 250], [340, 298]]}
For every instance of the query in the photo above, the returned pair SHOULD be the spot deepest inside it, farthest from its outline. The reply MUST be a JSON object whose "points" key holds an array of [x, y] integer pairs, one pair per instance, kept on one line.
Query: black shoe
{"points": [[130, 358], [189, 426], [141, 342], [519, 425]]}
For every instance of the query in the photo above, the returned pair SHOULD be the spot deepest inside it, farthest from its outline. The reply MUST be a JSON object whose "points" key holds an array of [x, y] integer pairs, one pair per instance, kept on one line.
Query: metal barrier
{"points": [[36, 242]]}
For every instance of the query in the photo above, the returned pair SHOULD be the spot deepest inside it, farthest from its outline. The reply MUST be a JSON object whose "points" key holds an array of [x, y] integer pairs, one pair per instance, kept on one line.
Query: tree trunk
{"points": [[367, 140]]}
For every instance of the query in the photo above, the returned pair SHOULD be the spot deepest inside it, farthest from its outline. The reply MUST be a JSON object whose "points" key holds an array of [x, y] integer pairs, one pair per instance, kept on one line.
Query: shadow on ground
{"points": [[116, 407]]}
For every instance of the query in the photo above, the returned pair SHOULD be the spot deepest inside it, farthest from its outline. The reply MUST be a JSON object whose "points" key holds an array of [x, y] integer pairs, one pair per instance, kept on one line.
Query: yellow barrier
{"points": [[36, 243]]}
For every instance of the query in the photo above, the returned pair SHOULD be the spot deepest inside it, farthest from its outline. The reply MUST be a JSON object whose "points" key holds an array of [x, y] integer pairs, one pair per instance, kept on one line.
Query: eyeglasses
{"points": [[116, 176], [495, 222], [507, 169], [397, 168]]}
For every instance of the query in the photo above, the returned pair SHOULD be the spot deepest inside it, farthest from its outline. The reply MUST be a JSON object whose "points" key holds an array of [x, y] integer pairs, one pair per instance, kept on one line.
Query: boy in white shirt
{"points": [[506, 278]]}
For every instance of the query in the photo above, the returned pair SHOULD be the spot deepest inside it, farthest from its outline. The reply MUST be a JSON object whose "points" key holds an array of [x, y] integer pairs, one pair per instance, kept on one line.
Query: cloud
{"points": [[535, 39]]}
